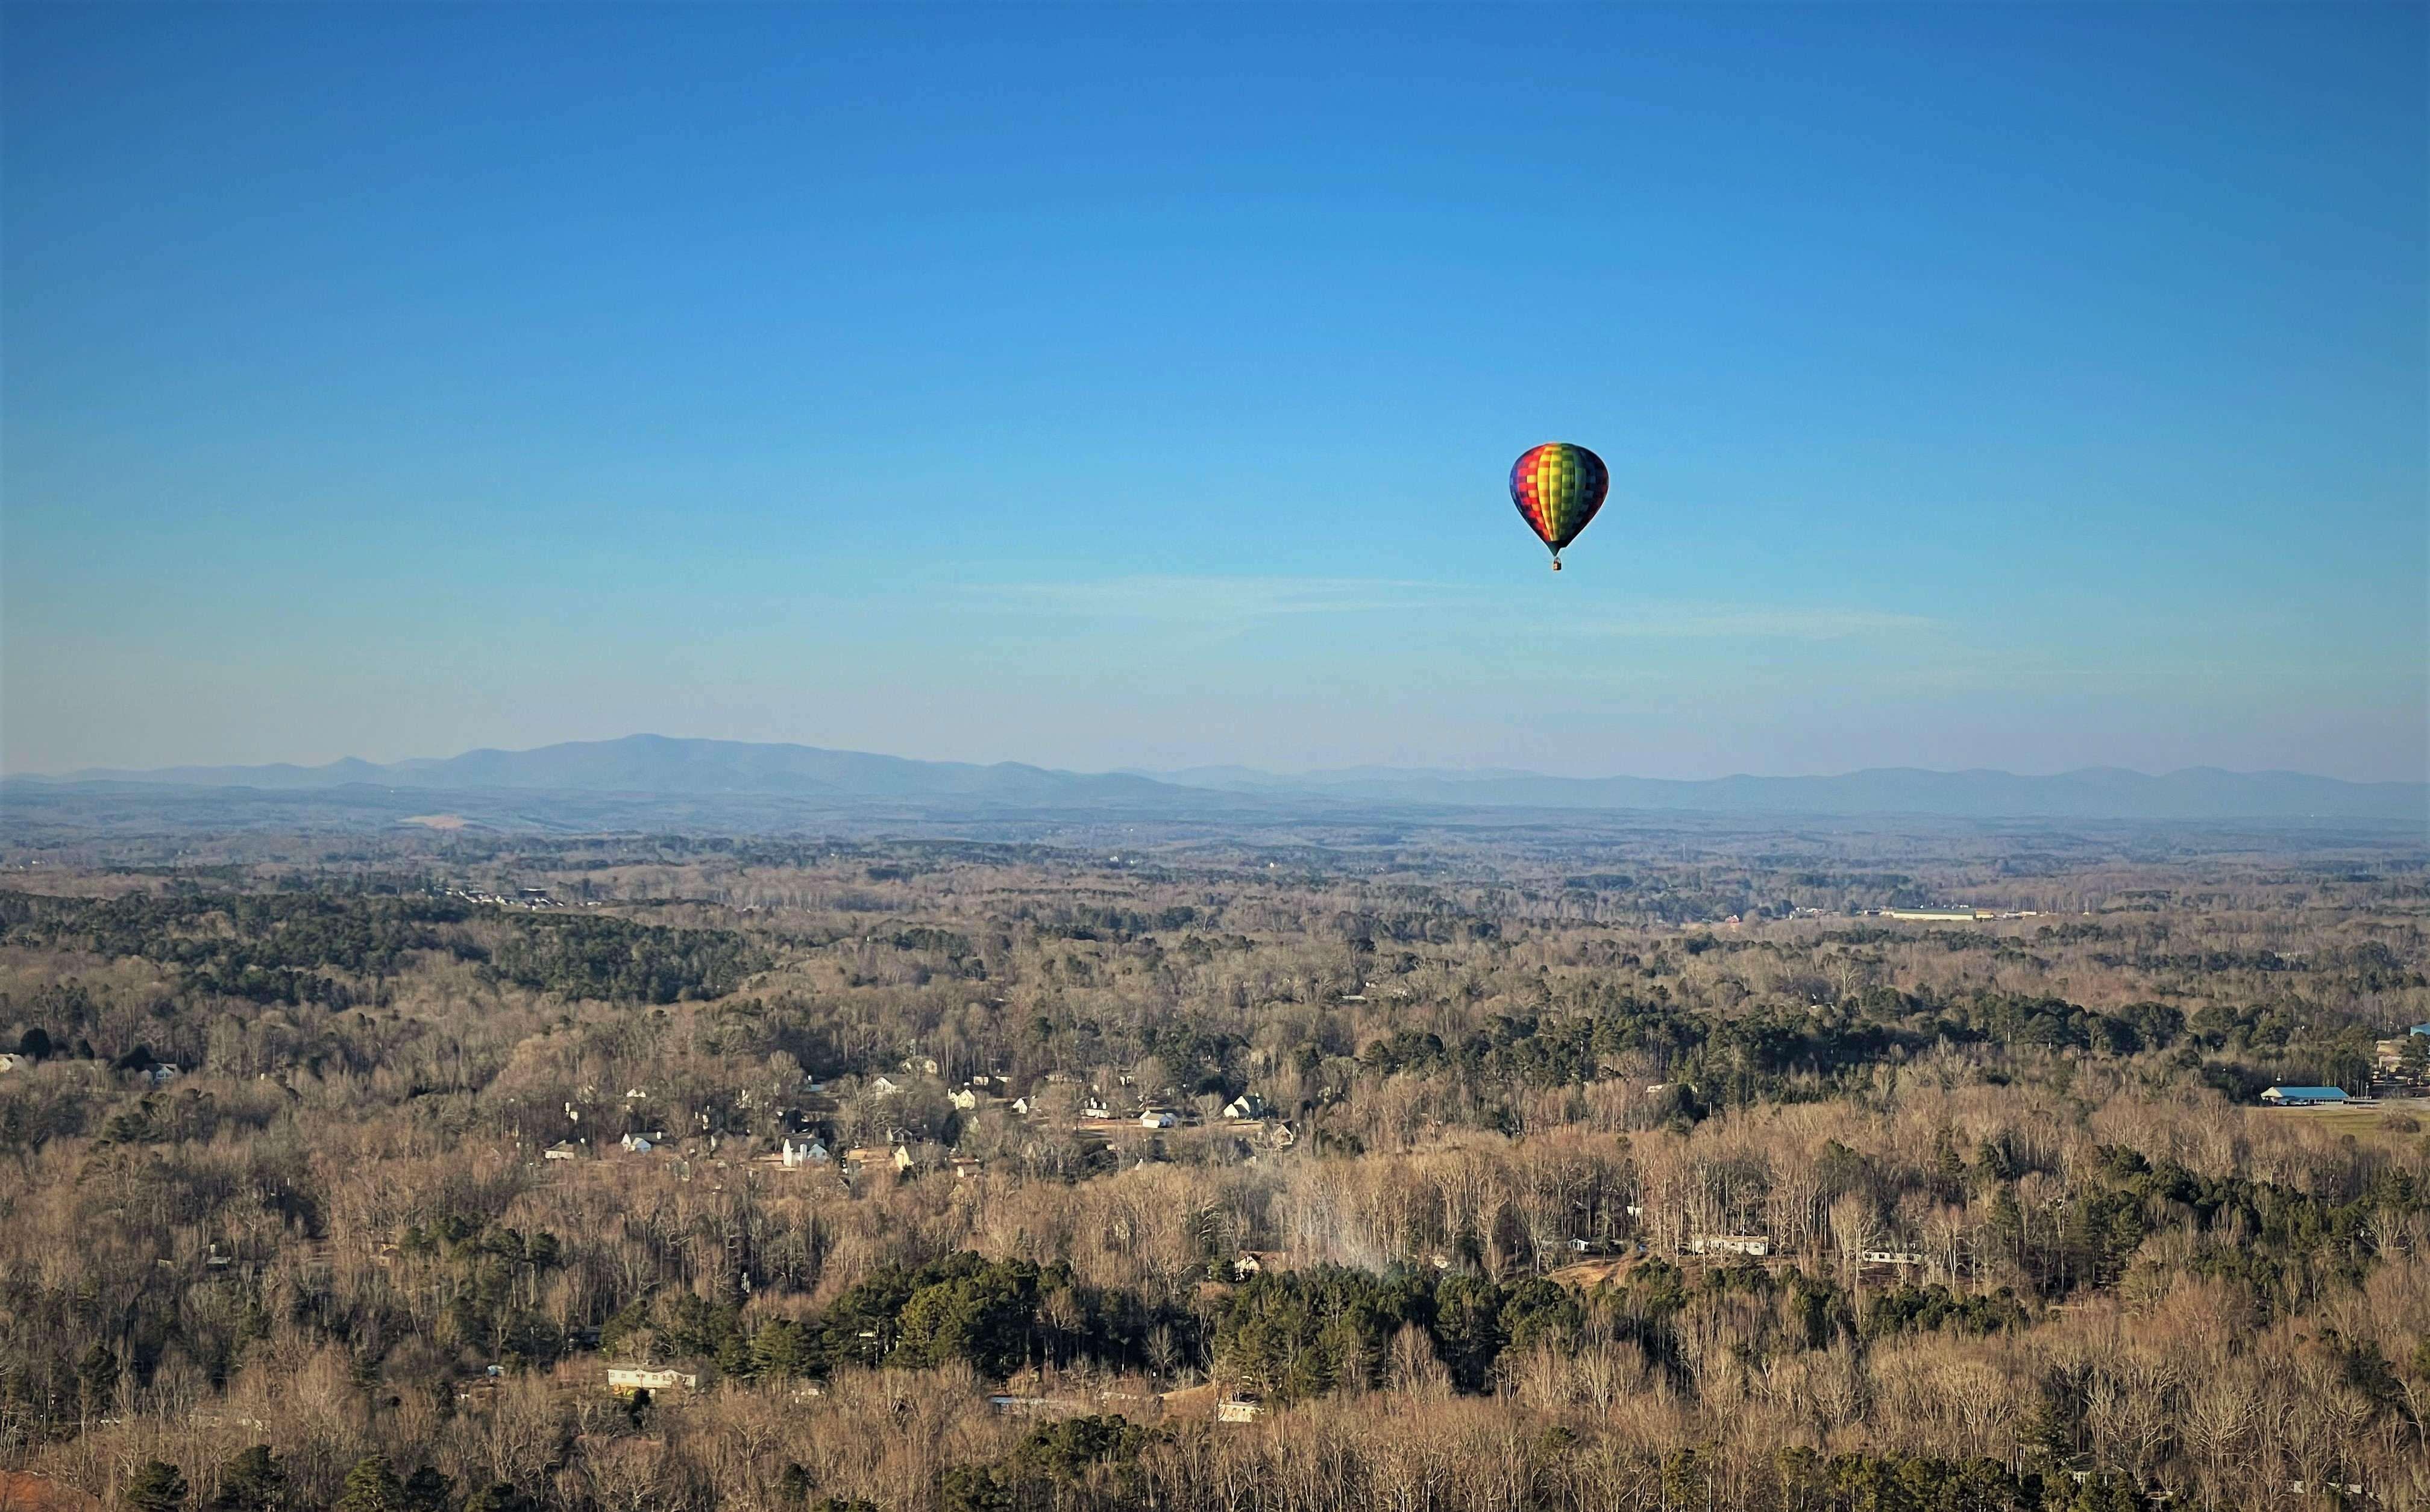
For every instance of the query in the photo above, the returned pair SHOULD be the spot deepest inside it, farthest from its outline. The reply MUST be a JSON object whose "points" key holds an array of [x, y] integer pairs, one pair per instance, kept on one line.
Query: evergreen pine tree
{"points": [[251, 1482], [372, 1486], [158, 1486]]}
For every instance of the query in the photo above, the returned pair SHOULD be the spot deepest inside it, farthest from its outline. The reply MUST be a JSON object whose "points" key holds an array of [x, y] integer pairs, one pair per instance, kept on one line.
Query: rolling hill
{"points": [[642, 766]]}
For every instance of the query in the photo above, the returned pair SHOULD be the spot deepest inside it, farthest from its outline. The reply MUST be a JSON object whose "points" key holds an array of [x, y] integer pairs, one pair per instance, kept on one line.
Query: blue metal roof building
{"points": [[2299, 1096]]}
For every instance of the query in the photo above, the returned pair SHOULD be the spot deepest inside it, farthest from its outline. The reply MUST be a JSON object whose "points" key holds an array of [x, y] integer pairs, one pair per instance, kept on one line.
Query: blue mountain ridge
{"points": [[642, 764]]}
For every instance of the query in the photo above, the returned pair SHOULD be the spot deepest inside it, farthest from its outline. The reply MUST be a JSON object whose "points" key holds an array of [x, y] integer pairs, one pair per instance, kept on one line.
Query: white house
{"points": [[562, 1150], [1729, 1244], [633, 1378], [639, 1144], [1156, 1118], [963, 1098], [1096, 1107], [884, 1086], [805, 1153], [1246, 1106]]}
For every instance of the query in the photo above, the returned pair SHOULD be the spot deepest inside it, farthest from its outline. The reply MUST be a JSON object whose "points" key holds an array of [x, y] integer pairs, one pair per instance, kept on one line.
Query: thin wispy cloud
{"points": [[1218, 602], [1717, 622]]}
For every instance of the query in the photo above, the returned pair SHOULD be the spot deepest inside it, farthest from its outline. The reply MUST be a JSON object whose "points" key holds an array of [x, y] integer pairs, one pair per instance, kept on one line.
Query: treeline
{"points": [[1783, 1051], [620, 961], [337, 949], [265, 947], [993, 1317]]}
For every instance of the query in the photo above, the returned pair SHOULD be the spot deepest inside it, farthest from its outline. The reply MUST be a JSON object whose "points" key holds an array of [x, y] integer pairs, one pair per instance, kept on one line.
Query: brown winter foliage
{"points": [[323, 1177]]}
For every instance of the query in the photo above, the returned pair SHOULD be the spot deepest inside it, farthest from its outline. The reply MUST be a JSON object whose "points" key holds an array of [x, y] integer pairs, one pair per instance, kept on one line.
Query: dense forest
{"points": [[1432, 1170]]}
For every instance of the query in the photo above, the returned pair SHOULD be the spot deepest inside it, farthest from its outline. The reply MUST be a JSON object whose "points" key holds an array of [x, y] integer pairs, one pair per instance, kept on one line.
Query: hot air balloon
{"points": [[1559, 487]]}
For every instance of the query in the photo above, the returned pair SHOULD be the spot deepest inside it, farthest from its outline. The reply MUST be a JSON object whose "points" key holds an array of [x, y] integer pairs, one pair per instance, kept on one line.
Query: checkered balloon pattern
{"points": [[1559, 487]]}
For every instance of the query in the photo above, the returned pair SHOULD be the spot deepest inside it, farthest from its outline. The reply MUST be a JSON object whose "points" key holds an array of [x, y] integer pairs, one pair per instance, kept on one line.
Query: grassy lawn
{"points": [[2361, 1120]]}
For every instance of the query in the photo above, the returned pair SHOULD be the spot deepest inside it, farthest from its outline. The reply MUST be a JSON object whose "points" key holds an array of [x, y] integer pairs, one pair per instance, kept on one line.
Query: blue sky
{"points": [[2005, 385]]}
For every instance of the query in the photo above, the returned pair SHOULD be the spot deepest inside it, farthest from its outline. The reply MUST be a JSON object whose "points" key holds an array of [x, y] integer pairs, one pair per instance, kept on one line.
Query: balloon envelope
{"points": [[1559, 487]]}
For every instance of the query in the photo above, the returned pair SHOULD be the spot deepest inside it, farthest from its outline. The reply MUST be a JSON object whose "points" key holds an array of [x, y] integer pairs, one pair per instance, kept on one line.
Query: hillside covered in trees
{"points": [[1421, 1169]]}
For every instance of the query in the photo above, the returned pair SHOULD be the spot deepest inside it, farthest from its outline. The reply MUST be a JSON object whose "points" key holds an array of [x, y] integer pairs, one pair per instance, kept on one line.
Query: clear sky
{"points": [[1988, 385]]}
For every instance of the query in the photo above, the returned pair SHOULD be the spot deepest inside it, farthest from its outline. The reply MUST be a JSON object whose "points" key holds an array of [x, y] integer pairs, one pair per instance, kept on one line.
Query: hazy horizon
{"points": [[1172, 772], [2023, 389]]}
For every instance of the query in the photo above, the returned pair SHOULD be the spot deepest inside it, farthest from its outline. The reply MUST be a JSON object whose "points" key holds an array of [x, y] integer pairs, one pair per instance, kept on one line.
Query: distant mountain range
{"points": [[657, 764], [649, 764], [2094, 792]]}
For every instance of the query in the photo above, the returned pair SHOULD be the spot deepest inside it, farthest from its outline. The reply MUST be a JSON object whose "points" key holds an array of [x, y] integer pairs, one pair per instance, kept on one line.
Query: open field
{"points": [[2389, 1117]]}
